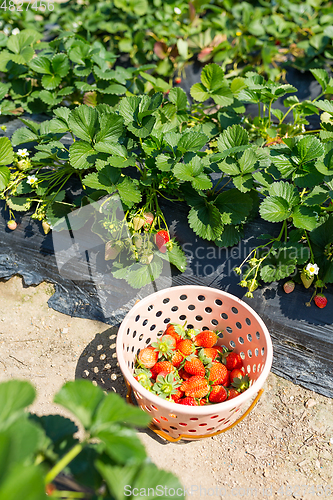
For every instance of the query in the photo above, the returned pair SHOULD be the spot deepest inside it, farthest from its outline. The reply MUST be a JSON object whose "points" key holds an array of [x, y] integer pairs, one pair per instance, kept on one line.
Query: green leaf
{"points": [[140, 275], [192, 141], [55, 213], [6, 152], [129, 192], [309, 148], [128, 107], [118, 478], [111, 128], [206, 221], [325, 105], [113, 409], [114, 89], [243, 182], [150, 474], [19, 204], [286, 191], [277, 267], [193, 172], [15, 396], [4, 177], [82, 398], [164, 162], [233, 206], [317, 196], [123, 445], [304, 217], [247, 161], [83, 121], [41, 64], [144, 128], [60, 64], [179, 98], [92, 181], [199, 92], [212, 76], [177, 257], [322, 77], [274, 209], [232, 137], [230, 236], [81, 155], [23, 482]]}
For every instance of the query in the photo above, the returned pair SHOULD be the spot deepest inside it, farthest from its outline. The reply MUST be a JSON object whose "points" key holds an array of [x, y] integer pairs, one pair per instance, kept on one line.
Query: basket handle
{"points": [[164, 435]]}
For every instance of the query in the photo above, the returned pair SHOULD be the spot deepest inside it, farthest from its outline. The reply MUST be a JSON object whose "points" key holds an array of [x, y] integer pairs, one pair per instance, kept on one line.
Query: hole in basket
{"points": [[249, 337], [204, 328], [201, 297], [145, 322], [163, 418], [150, 307], [241, 340], [262, 367], [183, 297], [258, 335], [137, 351], [128, 331], [172, 415], [234, 310], [214, 322], [226, 422], [229, 329], [154, 407], [160, 333], [254, 368], [159, 313], [239, 325], [210, 429], [127, 348], [256, 351], [202, 425], [194, 418], [156, 420], [224, 316], [167, 320], [152, 327], [137, 395], [214, 416], [232, 343], [218, 302], [220, 334], [248, 321], [182, 424], [242, 355], [182, 317], [262, 351], [199, 318], [190, 327], [132, 365], [174, 308], [221, 420], [134, 334], [147, 408], [137, 318], [248, 369], [258, 367], [249, 352], [165, 430], [172, 427], [208, 310], [148, 340], [191, 307], [166, 300], [192, 430]]}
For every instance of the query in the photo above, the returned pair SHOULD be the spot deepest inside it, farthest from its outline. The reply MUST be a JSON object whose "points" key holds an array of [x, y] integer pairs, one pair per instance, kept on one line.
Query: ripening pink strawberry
{"points": [[289, 286]]}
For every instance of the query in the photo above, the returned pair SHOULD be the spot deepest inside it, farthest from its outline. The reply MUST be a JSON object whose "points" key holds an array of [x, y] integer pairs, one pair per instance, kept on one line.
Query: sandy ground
{"points": [[283, 449]]}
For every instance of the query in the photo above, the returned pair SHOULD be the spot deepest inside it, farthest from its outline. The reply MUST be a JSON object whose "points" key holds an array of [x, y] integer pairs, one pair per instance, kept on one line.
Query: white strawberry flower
{"points": [[31, 179], [177, 10], [15, 31], [312, 269], [23, 153]]}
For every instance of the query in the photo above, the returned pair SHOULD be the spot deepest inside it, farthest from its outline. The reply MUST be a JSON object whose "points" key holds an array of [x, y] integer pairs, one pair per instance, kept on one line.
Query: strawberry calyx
{"points": [[165, 346], [241, 383], [166, 385], [143, 376]]}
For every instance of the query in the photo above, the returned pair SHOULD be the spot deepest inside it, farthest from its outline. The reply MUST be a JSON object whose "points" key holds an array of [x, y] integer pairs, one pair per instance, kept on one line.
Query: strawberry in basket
{"points": [[186, 366]]}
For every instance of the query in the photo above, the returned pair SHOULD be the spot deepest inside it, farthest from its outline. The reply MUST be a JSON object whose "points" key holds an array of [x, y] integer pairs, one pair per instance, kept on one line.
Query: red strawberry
{"points": [[239, 380], [148, 217], [208, 354], [188, 402], [194, 366], [186, 347], [232, 393], [218, 394], [161, 239], [320, 300], [239, 373], [183, 374], [177, 396], [178, 80], [234, 361], [176, 331], [147, 357], [177, 359], [165, 346], [162, 366], [289, 286], [218, 374], [196, 386], [277, 42], [11, 224], [206, 338]]}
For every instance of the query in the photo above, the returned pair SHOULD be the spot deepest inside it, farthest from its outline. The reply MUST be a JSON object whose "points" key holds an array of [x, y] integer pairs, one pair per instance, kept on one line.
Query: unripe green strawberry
{"points": [[306, 279], [289, 286], [138, 222], [46, 227], [112, 249]]}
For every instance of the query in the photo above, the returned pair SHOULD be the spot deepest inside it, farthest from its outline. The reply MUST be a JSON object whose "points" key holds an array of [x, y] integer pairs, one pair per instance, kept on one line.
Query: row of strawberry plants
{"points": [[147, 147], [170, 34]]}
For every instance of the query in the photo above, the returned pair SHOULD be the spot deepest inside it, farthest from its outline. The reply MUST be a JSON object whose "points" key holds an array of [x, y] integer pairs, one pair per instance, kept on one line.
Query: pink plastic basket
{"points": [[204, 308]]}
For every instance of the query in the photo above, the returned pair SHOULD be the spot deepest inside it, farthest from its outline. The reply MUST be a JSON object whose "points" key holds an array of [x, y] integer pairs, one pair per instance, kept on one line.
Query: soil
{"points": [[283, 449]]}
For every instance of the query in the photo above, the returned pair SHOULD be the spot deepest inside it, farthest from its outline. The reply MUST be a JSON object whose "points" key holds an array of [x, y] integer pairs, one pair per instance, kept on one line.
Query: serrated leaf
{"points": [[325, 106], [233, 206], [286, 191], [83, 121], [23, 135], [199, 92], [317, 196], [193, 172], [128, 107], [50, 82], [232, 137], [62, 113], [144, 128], [243, 182], [212, 76], [206, 221], [321, 76], [247, 161], [92, 181], [274, 209], [128, 191], [230, 236], [19, 204], [164, 162], [41, 64], [6, 151], [178, 97], [177, 257], [60, 64], [309, 148], [192, 141], [4, 177], [140, 275], [15, 396], [114, 89], [304, 217], [55, 213], [82, 155]]}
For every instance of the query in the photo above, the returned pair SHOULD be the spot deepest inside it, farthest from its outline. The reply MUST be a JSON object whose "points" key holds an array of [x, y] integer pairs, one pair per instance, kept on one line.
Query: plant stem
{"points": [[66, 459], [269, 113], [311, 252]]}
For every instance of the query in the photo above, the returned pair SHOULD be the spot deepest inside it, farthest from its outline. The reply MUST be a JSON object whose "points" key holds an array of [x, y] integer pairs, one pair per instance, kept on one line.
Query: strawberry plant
{"points": [[36, 449]]}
